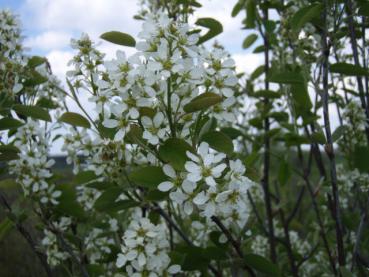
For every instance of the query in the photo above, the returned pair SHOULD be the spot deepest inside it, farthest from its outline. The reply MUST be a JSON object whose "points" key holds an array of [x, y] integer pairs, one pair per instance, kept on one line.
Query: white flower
{"points": [[206, 166], [120, 121], [153, 132]]}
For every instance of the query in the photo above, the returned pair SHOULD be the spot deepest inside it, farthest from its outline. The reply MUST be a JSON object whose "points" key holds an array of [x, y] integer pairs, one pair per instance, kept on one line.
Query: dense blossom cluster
{"points": [[145, 250], [150, 90]]}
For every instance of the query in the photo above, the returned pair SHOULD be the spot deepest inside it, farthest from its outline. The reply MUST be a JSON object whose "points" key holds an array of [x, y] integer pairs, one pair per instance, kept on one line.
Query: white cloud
{"points": [[247, 62], [93, 17], [58, 60], [49, 40]]}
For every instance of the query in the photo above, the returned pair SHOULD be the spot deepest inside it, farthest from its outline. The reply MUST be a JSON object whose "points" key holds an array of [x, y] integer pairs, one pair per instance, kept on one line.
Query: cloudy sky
{"points": [[49, 24]]}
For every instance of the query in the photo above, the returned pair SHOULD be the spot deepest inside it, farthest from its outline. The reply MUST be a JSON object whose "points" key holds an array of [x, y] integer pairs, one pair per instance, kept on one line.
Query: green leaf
{"points": [[286, 78], [231, 132], [149, 176], [361, 158], [219, 141], [257, 72], [8, 123], [9, 183], [284, 172], [363, 8], [68, 204], [173, 151], [8, 152], [318, 137], [6, 226], [36, 61], [85, 176], [262, 265], [348, 69], [203, 101], [305, 15], [238, 7], [249, 40], [251, 13], [36, 79], [107, 201], [32, 111], [119, 38], [214, 26], [75, 119], [338, 133]]}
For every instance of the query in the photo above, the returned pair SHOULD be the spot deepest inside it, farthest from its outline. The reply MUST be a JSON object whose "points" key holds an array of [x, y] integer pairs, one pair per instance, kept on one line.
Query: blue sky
{"points": [[49, 24]]}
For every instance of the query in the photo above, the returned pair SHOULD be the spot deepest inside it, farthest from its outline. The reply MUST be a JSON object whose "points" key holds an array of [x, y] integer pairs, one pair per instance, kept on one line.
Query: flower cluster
{"points": [[145, 250], [32, 168]]}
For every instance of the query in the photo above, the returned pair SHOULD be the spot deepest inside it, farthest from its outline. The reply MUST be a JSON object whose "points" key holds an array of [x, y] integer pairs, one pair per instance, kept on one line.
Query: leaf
{"points": [[8, 152], [36, 79], [286, 78], [361, 158], [32, 111], [9, 183], [348, 69], [173, 151], [85, 176], [363, 8], [219, 141], [262, 265], [238, 7], [338, 133], [214, 26], [68, 204], [6, 226], [149, 176], [318, 137], [284, 172], [119, 38], [75, 119], [304, 15], [231, 132], [203, 101], [36, 61], [107, 201], [249, 40], [8, 123]]}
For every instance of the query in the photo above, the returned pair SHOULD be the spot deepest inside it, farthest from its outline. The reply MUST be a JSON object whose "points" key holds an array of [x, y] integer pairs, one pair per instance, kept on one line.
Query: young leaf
{"points": [[214, 26], [348, 69], [286, 78], [249, 40], [32, 111], [338, 133], [8, 123], [75, 119], [107, 201], [203, 101], [36, 61], [219, 141], [173, 151], [304, 15], [119, 38], [238, 7], [262, 265], [149, 176]]}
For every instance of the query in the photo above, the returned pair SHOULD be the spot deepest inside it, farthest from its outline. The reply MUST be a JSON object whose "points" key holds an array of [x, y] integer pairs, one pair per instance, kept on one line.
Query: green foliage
{"points": [[173, 151], [34, 112], [214, 26], [75, 119], [203, 101], [149, 176], [119, 38]]}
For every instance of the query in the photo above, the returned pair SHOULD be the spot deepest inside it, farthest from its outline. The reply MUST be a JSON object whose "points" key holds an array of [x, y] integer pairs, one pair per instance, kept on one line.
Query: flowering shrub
{"points": [[183, 167]]}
